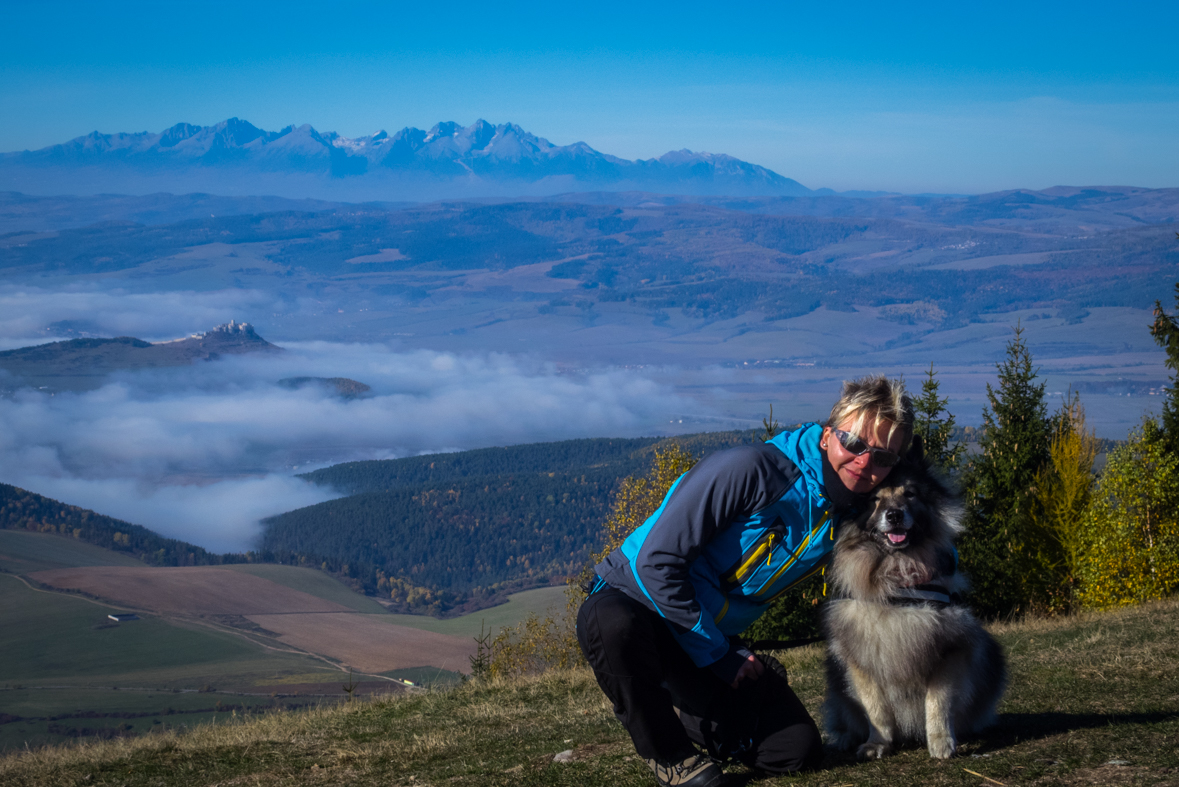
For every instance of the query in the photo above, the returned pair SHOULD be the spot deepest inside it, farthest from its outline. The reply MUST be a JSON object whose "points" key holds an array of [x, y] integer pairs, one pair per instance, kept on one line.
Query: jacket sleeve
{"points": [[722, 489]]}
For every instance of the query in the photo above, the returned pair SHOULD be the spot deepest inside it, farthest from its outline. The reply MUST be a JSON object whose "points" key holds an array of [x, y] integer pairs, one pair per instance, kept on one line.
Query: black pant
{"points": [[648, 676]]}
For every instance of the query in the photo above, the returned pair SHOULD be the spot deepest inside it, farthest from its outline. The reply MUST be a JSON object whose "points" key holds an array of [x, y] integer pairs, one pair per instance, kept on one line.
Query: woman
{"points": [[741, 527]]}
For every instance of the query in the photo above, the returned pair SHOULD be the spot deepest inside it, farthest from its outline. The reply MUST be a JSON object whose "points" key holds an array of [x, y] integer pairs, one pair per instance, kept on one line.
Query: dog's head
{"points": [[908, 506]]}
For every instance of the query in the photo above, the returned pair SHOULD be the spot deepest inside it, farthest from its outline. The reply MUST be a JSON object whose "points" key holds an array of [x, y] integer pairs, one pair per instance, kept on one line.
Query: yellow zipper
{"points": [[742, 571], [793, 558], [790, 562], [795, 583]]}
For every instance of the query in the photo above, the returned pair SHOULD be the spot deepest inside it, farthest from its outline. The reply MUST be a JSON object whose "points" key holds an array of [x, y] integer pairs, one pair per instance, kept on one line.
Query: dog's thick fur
{"points": [[902, 669]]}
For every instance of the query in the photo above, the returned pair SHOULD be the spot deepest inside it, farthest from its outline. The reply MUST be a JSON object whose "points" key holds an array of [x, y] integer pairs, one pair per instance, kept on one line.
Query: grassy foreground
{"points": [[1093, 700]]}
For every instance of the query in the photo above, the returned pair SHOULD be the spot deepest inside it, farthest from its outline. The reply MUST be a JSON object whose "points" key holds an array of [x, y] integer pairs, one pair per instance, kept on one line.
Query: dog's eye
{"points": [[909, 493]]}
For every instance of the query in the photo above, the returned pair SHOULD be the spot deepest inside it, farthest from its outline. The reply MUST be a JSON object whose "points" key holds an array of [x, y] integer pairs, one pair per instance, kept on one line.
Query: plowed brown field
{"points": [[201, 590], [368, 643]]}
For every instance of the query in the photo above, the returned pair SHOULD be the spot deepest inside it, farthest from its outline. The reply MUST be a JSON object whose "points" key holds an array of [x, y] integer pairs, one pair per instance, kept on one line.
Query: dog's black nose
{"points": [[894, 516]]}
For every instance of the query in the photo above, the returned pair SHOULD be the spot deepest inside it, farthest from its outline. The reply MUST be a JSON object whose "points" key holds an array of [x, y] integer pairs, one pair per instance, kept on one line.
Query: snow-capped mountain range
{"points": [[449, 160]]}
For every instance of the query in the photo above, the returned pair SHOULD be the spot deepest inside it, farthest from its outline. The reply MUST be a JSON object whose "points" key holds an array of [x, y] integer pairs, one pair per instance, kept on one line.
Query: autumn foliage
{"points": [[536, 643]]}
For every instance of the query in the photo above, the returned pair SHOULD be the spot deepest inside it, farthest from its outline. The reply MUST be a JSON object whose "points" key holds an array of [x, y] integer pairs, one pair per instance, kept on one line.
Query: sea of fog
{"points": [[203, 453]]}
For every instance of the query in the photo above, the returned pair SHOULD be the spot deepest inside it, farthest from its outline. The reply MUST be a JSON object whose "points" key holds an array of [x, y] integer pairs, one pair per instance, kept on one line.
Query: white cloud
{"points": [[202, 453], [223, 516]]}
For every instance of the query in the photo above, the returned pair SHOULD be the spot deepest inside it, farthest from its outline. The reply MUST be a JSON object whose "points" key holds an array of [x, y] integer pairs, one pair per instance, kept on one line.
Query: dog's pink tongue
{"points": [[897, 538]]}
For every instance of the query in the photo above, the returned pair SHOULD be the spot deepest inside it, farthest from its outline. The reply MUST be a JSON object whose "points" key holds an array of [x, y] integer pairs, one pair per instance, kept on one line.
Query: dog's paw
{"points": [[844, 740], [942, 747], [873, 751]]}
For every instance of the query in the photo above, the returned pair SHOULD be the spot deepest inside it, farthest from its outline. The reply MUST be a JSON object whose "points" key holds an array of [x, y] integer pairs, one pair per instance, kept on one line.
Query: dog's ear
{"points": [[916, 453]]}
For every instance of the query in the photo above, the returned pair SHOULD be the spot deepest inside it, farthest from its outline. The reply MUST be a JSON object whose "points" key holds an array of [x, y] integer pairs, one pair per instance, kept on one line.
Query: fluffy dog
{"points": [[906, 661]]}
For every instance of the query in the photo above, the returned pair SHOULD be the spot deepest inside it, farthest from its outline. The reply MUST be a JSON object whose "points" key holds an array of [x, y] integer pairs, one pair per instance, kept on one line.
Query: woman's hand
{"points": [[750, 670]]}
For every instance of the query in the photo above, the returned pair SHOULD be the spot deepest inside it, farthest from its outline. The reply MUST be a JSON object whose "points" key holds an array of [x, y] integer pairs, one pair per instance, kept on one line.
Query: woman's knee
{"points": [[610, 630], [798, 747]]}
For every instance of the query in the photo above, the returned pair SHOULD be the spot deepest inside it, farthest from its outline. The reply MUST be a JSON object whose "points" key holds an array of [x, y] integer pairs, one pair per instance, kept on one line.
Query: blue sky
{"points": [[920, 97]]}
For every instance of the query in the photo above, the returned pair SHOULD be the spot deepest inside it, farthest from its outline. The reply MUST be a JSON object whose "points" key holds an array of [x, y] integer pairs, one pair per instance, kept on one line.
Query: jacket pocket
{"points": [[762, 553], [794, 565]]}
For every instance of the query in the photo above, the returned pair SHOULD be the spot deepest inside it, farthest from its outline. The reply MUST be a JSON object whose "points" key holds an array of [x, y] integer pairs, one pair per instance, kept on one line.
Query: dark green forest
{"points": [[22, 510], [443, 532], [626, 456]]}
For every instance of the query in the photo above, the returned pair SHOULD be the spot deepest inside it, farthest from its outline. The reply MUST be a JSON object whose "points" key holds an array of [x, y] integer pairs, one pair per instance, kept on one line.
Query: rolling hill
{"points": [[550, 261], [448, 533], [788, 293], [442, 534], [71, 672], [40, 213], [209, 643], [77, 364], [21, 510]]}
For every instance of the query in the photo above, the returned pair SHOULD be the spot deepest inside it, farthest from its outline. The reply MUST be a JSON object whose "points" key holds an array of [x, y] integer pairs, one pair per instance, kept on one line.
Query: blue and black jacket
{"points": [[737, 530]]}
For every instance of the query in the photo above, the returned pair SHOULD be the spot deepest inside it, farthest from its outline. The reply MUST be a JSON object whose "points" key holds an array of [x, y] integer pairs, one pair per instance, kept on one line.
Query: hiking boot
{"points": [[695, 771]]}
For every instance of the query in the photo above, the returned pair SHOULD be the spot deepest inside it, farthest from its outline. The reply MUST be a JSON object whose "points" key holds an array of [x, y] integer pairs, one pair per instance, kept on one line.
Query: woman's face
{"points": [[859, 473]]}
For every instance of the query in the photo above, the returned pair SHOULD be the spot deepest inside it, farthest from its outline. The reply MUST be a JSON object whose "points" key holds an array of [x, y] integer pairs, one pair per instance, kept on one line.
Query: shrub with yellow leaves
{"points": [[1130, 534], [1063, 489]]}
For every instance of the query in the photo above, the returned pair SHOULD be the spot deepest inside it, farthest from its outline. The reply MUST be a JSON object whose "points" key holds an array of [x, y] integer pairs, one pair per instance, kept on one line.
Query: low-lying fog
{"points": [[202, 453]]}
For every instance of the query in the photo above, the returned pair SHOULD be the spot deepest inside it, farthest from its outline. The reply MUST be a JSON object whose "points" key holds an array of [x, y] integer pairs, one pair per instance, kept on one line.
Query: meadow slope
{"points": [[1094, 699], [67, 671]]}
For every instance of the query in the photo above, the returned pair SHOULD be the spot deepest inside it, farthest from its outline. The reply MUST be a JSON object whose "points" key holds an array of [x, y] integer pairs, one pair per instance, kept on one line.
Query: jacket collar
{"points": [[802, 448]]}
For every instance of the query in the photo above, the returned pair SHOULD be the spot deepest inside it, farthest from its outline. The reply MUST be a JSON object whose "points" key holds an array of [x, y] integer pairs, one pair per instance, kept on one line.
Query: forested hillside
{"points": [[444, 532], [621, 455], [23, 510]]}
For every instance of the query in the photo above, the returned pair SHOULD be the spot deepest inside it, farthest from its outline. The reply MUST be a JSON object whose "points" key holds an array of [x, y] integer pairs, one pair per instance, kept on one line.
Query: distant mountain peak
{"points": [[231, 328], [449, 160]]}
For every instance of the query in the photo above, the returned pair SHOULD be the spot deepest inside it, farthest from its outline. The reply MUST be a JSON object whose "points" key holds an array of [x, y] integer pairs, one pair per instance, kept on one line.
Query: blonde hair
{"points": [[878, 398]]}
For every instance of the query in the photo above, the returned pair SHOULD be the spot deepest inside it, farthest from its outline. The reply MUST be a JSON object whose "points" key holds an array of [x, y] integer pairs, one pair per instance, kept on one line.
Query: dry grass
{"points": [[1094, 699]]}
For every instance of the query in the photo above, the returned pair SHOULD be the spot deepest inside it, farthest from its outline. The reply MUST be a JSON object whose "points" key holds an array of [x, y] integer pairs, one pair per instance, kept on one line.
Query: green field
{"points": [[68, 672], [312, 582], [22, 552], [55, 715], [518, 606], [53, 636], [62, 655]]}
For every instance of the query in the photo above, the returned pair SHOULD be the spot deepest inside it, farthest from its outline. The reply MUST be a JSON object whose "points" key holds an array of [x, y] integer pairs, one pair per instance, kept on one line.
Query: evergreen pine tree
{"points": [[1165, 331], [934, 424], [1000, 484]]}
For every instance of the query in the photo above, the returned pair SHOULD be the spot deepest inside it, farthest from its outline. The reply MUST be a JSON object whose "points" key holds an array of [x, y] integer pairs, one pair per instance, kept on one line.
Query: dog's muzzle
{"points": [[896, 529]]}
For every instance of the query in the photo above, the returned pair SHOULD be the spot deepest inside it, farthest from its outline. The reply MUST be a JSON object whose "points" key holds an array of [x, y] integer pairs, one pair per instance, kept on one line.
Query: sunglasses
{"points": [[855, 444]]}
